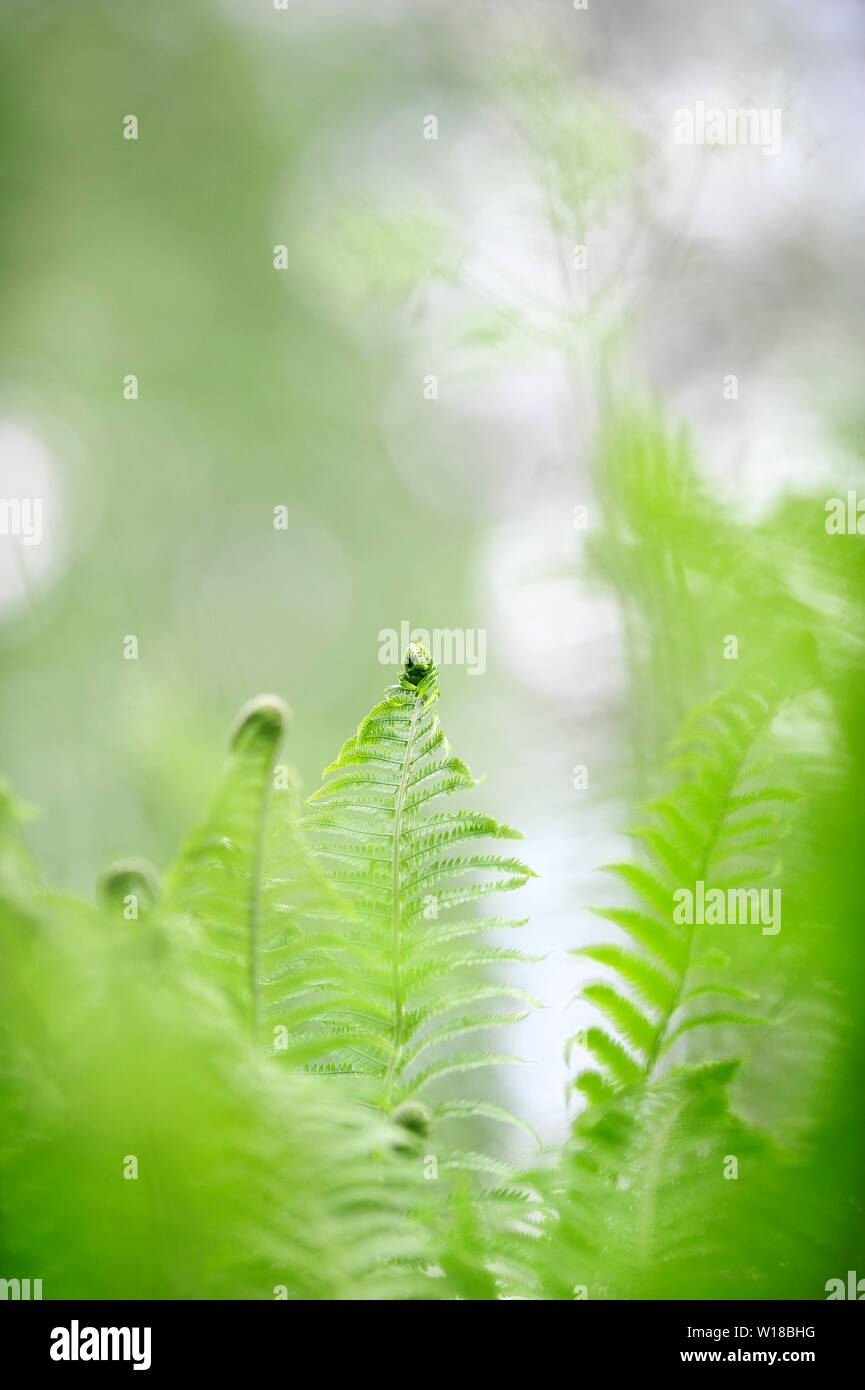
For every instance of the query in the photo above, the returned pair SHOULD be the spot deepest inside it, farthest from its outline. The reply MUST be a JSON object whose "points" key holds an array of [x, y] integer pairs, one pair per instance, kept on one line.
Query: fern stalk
{"points": [[396, 919]]}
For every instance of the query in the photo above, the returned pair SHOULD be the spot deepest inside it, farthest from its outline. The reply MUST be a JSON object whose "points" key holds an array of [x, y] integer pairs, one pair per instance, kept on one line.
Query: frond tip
{"points": [[414, 1116], [264, 715], [417, 663], [127, 877]]}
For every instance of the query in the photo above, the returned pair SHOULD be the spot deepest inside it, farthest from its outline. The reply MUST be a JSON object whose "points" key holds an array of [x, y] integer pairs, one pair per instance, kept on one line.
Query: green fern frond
{"points": [[405, 866], [718, 826], [247, 879]]}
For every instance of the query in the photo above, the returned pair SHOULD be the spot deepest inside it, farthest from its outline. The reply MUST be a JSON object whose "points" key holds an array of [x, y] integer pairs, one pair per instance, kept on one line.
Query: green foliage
{"points": [[712, 1158], [281, 1030], [275, 1038], [666, 1187], [644, 1197], [115, 1052], [172, 1027]]}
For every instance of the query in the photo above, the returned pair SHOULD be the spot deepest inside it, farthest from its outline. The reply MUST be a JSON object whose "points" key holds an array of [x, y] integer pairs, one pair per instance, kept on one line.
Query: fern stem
{"points": [[264, 718], [396, 915], [701, 873], [255, 910]]}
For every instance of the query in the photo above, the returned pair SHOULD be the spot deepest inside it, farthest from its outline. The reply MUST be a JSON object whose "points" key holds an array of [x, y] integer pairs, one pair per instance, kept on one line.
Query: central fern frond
{"points": [[406, 868]]}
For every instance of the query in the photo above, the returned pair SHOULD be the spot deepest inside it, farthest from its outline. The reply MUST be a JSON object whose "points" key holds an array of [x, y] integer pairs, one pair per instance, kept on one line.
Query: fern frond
{"points": [[246, 877], [405, 866], [719, 826]]}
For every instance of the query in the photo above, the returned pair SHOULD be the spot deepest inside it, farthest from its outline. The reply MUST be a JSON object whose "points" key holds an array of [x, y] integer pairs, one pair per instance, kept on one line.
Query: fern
{"points": [[339, 938], [640, 1200], [721, 824], [638, 1205], [416, 968], [245, 876]]}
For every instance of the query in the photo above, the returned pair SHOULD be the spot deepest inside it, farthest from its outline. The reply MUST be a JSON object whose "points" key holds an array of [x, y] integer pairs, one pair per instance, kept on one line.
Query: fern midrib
{"points": [[705, 861], [255, 906], [396, 911], [648, 1201]]}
